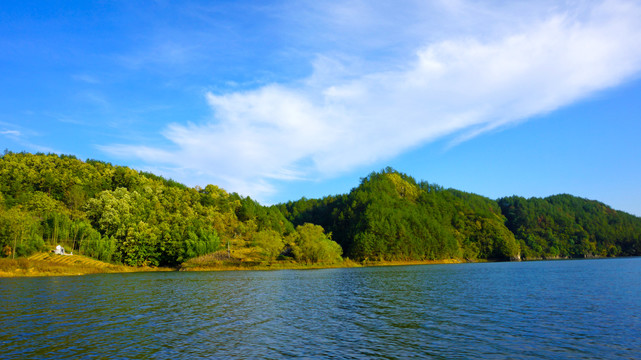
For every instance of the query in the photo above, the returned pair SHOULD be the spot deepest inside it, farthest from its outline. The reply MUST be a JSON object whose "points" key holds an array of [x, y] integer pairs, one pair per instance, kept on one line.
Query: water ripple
{"points": [[539, 310]]}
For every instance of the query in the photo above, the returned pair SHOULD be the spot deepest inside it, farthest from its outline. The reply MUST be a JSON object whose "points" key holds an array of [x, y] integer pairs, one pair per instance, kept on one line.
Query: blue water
{"points": [[581, 309]]}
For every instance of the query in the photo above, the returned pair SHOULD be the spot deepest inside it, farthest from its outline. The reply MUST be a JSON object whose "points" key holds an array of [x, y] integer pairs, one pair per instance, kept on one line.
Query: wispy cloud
{"points": [[94, 98], [10, 132], [86, 78], [163, 52], [21, 138], [63, 118], [462, 86]]}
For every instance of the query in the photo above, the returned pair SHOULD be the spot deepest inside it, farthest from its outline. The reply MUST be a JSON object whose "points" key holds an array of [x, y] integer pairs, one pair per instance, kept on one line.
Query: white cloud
{"points": [[339, 118], [10, 132]]}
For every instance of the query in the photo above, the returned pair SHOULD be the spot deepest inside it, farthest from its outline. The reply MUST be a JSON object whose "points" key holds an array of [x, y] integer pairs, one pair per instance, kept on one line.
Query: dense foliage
{"points": [[567, 226], [117, 214], [392, 217]]}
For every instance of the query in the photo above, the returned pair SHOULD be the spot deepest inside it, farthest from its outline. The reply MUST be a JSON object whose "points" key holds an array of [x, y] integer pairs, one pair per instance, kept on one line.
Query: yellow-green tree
{"points": [[310, 244], [269, 242], [18, 233]]}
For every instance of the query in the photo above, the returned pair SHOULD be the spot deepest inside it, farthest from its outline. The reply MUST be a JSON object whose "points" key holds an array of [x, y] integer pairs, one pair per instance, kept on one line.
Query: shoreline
{"points": [[81, 265], [53, 265], [240, 266]]}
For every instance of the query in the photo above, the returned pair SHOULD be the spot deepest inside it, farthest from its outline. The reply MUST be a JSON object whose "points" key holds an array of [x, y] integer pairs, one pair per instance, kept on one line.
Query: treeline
{"points": [[391, 216], [568, 226], [120, 215], [117, 214]]}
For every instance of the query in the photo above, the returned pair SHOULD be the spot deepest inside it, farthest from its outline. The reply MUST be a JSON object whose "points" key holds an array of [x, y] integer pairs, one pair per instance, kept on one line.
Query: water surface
{"points": [[581, 309]]}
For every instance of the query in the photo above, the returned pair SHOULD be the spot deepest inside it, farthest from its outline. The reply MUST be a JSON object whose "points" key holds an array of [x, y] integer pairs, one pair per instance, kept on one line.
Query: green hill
{"points": [[568, 226], [119, 215], [390, 216]]}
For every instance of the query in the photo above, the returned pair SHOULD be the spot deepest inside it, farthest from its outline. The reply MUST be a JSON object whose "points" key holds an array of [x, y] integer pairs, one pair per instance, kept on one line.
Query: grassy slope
{"points": [[49, 264]]}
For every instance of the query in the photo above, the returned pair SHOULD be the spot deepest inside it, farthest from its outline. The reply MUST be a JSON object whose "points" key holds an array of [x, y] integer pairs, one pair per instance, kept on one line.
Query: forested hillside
{"points": [[120, 215], [390, 216], [117, 214], [567, 226]]}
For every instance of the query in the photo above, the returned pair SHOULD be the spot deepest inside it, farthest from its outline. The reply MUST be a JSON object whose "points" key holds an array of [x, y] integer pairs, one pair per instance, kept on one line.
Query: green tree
{"points": [[19, 234], [310, 244], [269, 242]]}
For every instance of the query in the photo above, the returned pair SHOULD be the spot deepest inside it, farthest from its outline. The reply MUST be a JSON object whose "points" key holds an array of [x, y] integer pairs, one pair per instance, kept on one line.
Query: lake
{"points": [[574, 309]]}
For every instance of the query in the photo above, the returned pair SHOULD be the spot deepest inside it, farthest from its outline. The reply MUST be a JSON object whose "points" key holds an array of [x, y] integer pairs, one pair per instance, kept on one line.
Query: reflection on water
{"points": [[559, 309]]}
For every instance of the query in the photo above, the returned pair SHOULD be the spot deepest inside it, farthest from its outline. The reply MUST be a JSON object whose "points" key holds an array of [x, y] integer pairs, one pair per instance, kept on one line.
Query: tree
{"points": [[111, 212], [269, 242], [310, 244], [19, 233]]}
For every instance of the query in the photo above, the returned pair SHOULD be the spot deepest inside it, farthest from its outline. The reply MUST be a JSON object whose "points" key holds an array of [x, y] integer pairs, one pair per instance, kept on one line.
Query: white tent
{"points": [[61, 251]]}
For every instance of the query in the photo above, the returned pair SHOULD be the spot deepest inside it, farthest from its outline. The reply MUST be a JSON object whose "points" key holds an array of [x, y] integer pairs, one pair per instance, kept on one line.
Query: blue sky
{"points": [[283, 99]]}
